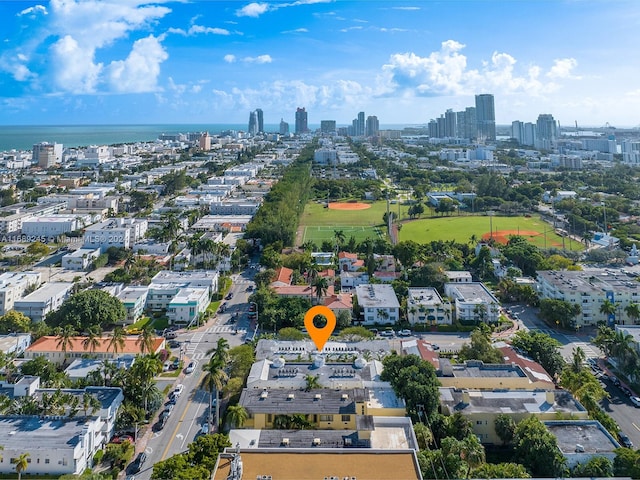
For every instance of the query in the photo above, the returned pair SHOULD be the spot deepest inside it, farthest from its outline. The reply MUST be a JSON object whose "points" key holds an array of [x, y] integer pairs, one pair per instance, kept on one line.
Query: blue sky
{"points": [[134, 61]]}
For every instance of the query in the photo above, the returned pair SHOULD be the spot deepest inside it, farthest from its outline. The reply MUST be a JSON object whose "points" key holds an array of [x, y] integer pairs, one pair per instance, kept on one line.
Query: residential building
{"points": [[234, 207], [304, 291], [378, 304], [188, 305], [134, 300], [328, 127], [581, 440], [349, 262], [81, 368], [313, 464], [473, 302], [44, 300], [425, 306], [46, 155], [546, 132], [52, 225], [219, 223], [590, 290], [631, 152], [284, 127], [194, 278], [292, 350], [481, 407], [339, 303], [372, 126], [458, 276], [283, 277], [12, 223], [115, 232], [301, 121], [47, 346], [80, 259], [14, 343], [486, 117], [350, 280], [13, 285]]}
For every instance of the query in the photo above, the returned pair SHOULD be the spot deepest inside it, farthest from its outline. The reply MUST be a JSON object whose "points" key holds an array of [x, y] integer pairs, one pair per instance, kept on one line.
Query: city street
{"points": [[191, 409]]}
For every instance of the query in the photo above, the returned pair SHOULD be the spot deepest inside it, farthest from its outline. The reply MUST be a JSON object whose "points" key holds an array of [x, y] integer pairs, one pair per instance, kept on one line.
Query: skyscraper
{"points": [[328, 126], [449, 123], [373, 126], [486, 117], [546, 131], [260, 116], [360, 125], [253, 123], [284, 127], [47, 154], [471, 125], [301, 121]]}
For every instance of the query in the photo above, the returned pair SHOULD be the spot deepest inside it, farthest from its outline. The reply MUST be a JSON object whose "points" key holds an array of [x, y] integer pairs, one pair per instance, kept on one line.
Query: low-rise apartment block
{"points": [[80, 259], [581, 440], [473, 302], [425, 306], [134, 300], [378, 304], [13, 285], [188, 304], [44, 300], [115, 232]]}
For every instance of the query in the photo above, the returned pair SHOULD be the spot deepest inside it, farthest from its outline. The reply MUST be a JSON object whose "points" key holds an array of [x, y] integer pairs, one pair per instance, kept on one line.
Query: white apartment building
{"points": [[425, 306], [234, 207], [378, 304], [134, 300], [13, 285], [473, 302], [188, 304], [590, 289], [47, 298], [115, 232], [168, 284], [13, 223], [455, 276], [80, 259], [631, 152], [53, 225]]}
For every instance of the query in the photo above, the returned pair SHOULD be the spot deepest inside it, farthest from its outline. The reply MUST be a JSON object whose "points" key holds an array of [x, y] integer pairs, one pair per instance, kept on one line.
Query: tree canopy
{"points": [[86, 309], [542, 348]]}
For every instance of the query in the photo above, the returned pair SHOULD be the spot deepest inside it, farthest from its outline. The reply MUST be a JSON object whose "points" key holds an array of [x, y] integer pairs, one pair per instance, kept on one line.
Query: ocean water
{"points": [[23, 137]]}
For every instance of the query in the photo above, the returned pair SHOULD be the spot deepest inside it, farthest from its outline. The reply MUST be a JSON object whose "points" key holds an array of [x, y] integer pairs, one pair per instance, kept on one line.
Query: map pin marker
{"points": [[320, 335]]}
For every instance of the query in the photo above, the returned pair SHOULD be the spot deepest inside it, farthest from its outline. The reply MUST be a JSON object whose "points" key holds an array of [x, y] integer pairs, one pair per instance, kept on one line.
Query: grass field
{"points": [[462, 228], [318, 234], [315, 214]]}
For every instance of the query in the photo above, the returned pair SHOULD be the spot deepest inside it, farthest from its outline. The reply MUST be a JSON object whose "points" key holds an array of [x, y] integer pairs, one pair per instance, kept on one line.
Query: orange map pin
{"points": [[320, 335]]}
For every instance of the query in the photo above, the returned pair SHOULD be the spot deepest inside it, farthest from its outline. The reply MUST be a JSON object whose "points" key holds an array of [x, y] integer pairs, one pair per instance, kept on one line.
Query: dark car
{"points": [[174, 344], [136, 465], [229, 296], [625, 441]]}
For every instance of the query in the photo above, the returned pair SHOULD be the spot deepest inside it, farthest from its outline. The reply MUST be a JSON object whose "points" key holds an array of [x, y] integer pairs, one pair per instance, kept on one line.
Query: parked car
{"points": [[166, 366], [205, 428], [635, 401], [176, 364], [170, 335], [136, 465], [178, 390], [229, 296], [122, 438], [435, 346], [190, 368], [174, 344], [625, 441], [404, 333], [387, 333]]}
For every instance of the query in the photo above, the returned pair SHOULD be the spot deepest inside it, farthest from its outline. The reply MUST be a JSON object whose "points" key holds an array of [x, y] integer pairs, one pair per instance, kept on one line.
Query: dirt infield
{"points": [[502, 236], [348, 206]]}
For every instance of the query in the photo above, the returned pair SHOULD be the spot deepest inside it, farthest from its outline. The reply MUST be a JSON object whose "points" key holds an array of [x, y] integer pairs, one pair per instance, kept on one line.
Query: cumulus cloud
{"points": [[139, 71], [445, 72], [562, 68], [258, 59], [405, 8], [230, 58], [200, 29], [297, 30], [33, 10], [348, 29], [256, 9], [75, 70]]}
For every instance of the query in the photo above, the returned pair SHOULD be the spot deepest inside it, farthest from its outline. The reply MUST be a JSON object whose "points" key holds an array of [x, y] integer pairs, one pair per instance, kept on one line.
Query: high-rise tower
{"points": [[486, 117], [360, 125], [253, 123], [260, 116], [301, 121]]}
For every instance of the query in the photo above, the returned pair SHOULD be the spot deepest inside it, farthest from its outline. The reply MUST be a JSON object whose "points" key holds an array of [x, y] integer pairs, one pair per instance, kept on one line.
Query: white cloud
{"points": [[140, 71], [200, 29], [392, 30], [297, 30], [405, 8], [74, 68], [348, 29], [258, 59], [229, 58], [253, 10], [562, 68], [33, 10]]}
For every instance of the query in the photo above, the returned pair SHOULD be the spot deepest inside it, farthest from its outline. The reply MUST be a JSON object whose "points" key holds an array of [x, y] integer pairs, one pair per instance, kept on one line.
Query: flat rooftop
{"points": [[311, 464], [590, 435], [477, 369], [30, 433], [285, 401], [291, 350]]}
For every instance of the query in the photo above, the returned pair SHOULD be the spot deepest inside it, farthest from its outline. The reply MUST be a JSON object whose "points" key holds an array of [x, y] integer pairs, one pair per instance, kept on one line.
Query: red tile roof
{"points": [[351, 256], [49, 343], [533, 370]]}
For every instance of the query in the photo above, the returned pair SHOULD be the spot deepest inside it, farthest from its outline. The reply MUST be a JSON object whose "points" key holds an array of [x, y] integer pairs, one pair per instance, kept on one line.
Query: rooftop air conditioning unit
{"points": [[316, 442], [345, 396], [291, 396], [264, 394], [317, 396], [285, 442]]}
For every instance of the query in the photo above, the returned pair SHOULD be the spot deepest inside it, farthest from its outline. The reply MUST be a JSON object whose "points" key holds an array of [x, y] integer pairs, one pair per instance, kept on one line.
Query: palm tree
{"points": [[321, 285], [633, 312], [608, 308], [145, 339], [340, 237], [65, 336], [578, 358], [117, 341], [237, 415], [213, 381], [221, 350], [472, 453], [312, 382], [89, 402], [93, 339], [21, 464]]}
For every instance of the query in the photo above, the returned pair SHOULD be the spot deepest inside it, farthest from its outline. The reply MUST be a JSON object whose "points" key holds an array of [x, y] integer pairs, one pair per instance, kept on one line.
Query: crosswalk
{"points": [[587, 348], [224, 329]]}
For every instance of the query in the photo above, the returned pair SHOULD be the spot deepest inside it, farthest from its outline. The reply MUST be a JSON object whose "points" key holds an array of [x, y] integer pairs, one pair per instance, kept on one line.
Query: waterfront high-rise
{"points": [[450, 129], [301, 121], [284, 127], [46, 154], [360, 125], [260, 116], [328, 127], [546, 131], [486, 117], [253, 123], [372, 126]]}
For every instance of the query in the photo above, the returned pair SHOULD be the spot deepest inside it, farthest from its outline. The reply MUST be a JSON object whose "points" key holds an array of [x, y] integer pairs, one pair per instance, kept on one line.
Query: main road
{"points": [[192, 407]]}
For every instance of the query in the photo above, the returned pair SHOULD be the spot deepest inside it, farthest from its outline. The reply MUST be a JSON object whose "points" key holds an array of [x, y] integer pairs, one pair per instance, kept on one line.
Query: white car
{"points": [[205, 428], [404, 333], [178, 390], [635, 401], [190, 368]]}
